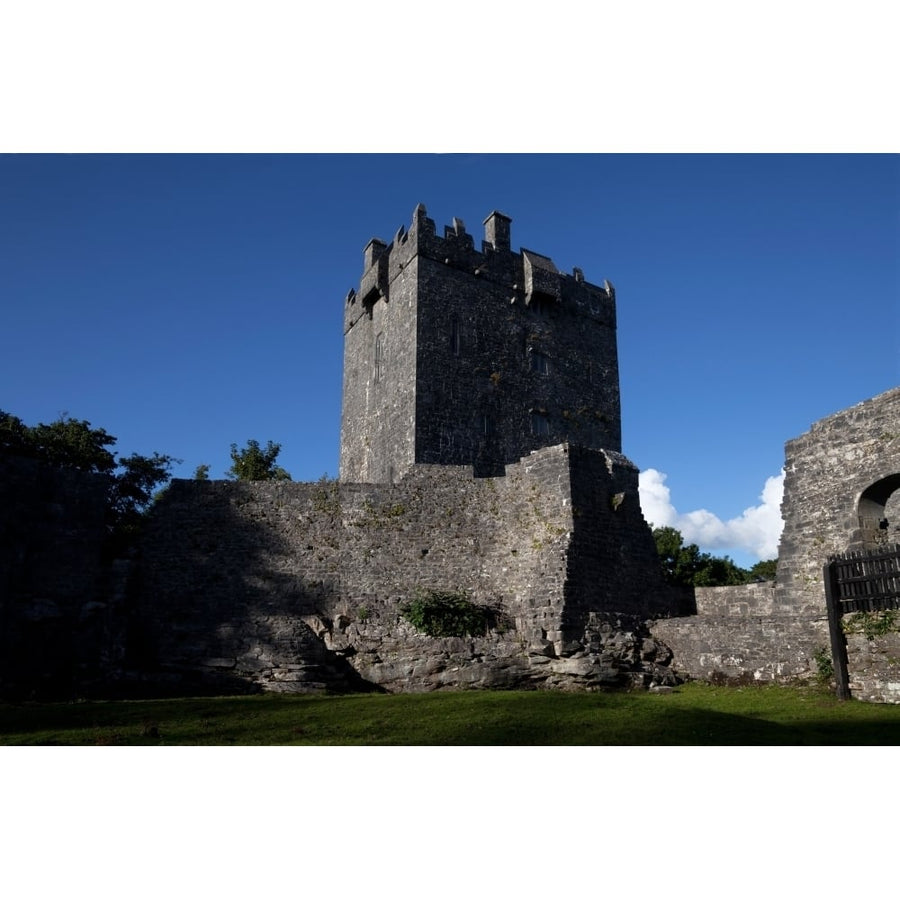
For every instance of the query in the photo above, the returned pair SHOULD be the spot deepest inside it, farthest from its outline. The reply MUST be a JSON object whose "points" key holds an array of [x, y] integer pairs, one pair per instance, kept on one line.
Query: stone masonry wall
{"points": [[299, 586], [740, 633], [828, 471], [56, 616], [839, 481], [455, 356], [873, 666]]}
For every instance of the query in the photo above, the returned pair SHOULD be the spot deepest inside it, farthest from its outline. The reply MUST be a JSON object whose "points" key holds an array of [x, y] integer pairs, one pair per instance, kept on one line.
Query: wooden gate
{"points": [[858, 581]]}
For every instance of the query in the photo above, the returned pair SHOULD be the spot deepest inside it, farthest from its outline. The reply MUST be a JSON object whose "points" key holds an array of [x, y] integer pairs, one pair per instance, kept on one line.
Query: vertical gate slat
{"points": [[838, 641]]}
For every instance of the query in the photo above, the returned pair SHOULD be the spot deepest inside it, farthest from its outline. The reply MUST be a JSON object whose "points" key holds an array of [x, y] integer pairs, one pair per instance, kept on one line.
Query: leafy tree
{"points": [[679, 563], [764, 570], [201, 473], [64, 442], [133, 487], [685, 565], [14, 435], [255, 464], [716, 571], [73, 443]]}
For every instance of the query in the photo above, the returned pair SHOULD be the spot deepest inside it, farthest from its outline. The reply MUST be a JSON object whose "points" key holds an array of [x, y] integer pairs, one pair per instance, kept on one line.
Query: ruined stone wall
{"points": [[873, 666], [55, 585], [829, 471], [741, 633], [839, 480], [299, 586]]}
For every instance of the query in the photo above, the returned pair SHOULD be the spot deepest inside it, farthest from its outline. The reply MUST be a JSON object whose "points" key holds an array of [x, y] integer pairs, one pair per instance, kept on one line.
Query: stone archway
{"points": [[879, 513]]}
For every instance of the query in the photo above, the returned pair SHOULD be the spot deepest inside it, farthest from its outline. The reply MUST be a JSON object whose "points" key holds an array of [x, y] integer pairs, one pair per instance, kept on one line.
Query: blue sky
{"points": [[185, 302]]}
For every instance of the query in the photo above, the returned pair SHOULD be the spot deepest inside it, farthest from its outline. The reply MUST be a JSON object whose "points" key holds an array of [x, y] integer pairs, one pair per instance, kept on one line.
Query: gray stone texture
{"points": [[739, 633], [873, 665], [248, 580], [839, 478], [458, 356]]}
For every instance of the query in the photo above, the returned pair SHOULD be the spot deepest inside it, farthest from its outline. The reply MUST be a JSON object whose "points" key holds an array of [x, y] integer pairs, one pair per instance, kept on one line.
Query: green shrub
{"points": [[824, 666], [448, 614], [871, 624]]}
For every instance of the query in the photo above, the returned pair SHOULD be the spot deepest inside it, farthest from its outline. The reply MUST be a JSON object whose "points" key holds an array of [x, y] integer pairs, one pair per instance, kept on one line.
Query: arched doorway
{"points": [[879, 513]]}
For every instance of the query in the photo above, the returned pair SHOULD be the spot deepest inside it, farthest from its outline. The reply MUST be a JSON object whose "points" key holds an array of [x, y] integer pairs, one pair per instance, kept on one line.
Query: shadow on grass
{"points": [[473, 718]]}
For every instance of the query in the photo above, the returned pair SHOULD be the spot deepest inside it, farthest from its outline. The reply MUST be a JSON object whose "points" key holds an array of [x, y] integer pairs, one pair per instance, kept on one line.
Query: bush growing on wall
{"points": [[448, 614]]}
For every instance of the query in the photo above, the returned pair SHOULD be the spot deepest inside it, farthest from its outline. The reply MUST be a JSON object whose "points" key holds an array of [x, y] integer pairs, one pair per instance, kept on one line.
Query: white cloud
{"points": [[756, 530]]}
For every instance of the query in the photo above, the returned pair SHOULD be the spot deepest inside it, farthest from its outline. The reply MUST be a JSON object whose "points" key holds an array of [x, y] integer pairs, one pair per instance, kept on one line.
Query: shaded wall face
{"points": [[829, 473], [613, 563], [235, 574], [53, 578], [238, 575]]}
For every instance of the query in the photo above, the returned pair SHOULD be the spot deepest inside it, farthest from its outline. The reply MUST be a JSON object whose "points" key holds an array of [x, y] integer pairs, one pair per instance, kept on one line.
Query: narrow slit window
{"points": [[539, 362], [379, 357], [454, 336], [540, 424]]}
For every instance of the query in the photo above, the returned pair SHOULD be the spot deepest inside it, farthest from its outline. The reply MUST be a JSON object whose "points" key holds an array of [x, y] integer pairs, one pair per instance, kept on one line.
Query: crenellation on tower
{"points": [[497, 231], [473, 357], [373, 251]]}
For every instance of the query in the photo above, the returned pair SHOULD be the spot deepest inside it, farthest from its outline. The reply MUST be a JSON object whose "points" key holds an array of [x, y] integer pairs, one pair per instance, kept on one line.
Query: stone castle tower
{"points": [[469, 357]]}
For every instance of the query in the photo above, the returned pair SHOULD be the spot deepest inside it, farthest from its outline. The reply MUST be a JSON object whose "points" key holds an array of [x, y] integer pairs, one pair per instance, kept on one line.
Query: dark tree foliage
{"points": [[684, 564], [73, 443], [680, 563], [716, 571], [14, 435], [764, 570], [253, 463], [135, 488]]}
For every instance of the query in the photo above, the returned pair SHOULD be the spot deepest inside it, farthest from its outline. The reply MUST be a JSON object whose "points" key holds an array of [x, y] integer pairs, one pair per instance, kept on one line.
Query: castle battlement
{"points": [[528, 279], [472, 357]]}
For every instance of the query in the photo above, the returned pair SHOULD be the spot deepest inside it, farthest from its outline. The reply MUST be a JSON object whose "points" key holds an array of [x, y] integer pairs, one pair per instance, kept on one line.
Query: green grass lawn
{"points": [[693, 714]]}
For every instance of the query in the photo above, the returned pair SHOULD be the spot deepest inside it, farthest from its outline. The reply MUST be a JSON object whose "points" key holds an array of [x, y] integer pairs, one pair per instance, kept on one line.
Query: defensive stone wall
{"points": [[300, 586], [839, 478], [873, 666], [56, 588], [739, 633], [291, 586]]}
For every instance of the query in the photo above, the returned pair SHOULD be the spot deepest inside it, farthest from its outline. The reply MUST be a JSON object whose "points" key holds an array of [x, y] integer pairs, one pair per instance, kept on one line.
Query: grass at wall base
{"points": [[693, 714]]}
